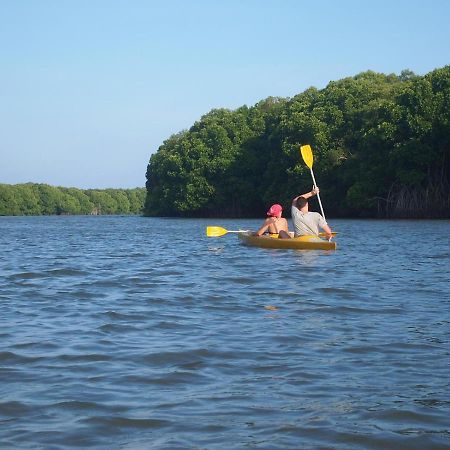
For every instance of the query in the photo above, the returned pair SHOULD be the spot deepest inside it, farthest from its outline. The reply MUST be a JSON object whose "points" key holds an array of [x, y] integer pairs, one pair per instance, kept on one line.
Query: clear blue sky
{"points": [[89, 89]]}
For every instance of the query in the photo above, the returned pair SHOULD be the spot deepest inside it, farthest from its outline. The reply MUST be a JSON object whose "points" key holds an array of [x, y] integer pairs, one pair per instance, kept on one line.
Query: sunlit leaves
{"points": [[372, 135]]}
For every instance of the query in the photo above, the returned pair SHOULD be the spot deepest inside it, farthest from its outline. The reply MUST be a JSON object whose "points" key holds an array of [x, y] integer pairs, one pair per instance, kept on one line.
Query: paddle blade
{"points": [[215, 231], [307, 155]]}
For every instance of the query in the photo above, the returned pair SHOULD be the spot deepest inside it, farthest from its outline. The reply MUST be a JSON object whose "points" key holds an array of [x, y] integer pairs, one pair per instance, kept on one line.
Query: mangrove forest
{"points": [[32, 199], [381, 148]]}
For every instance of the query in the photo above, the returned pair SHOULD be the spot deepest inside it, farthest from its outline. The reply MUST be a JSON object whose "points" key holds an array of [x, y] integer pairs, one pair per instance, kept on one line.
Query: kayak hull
{"points": [[299, 243]]}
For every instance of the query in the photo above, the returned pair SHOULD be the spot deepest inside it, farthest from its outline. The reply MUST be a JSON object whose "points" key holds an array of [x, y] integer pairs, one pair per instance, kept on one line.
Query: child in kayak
{"points": [[275, 224]]}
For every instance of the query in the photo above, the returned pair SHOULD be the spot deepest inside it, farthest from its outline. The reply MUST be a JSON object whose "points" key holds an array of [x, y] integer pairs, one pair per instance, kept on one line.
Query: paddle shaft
{"points": [[318, 195]]}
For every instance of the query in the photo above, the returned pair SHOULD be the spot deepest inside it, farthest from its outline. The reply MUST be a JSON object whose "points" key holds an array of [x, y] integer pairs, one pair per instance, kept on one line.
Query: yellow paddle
{"points": [[307, 156], [219, 231]]}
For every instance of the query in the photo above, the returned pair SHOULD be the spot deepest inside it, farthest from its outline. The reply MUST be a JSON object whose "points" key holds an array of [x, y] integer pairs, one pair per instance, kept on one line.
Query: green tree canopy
{"points": [[381, 148], [43, 199]]}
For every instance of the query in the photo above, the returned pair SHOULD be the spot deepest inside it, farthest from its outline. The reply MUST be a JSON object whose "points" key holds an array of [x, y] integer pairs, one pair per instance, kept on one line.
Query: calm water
{"points": [[136, 333]]}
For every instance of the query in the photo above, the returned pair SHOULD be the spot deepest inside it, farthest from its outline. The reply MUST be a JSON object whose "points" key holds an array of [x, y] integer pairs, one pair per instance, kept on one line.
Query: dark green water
{"points": [[135, 333]]}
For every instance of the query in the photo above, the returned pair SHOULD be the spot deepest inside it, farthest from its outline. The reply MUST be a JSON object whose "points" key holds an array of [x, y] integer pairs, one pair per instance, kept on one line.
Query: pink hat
{"points": [[275, 210]]}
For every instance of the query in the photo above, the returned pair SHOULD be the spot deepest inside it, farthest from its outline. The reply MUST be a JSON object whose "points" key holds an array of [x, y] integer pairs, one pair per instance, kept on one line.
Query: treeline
{"points": [[380, 142], [33, 199]]}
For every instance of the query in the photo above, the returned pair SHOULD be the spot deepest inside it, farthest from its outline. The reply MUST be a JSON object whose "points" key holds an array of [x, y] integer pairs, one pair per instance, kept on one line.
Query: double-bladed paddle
{"points": [[214, 231]]}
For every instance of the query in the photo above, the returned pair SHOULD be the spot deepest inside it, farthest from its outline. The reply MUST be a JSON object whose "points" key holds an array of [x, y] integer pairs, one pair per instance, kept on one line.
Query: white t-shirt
{"points": [[306, 223]]}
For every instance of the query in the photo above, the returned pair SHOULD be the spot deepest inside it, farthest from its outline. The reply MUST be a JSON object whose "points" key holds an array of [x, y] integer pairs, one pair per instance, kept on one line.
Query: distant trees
{"points": [[381, 146], [41, 199]]}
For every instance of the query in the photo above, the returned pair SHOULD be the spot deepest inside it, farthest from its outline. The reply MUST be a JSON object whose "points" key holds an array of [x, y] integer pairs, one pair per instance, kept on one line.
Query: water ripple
{"points": [[120, 337]]}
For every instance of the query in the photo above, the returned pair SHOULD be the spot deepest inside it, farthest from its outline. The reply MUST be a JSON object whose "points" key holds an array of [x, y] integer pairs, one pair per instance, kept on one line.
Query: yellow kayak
{"points": [[298, 243]]}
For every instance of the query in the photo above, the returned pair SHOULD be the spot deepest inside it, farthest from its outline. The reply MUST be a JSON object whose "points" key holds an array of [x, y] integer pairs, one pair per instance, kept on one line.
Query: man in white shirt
{"points": [[305, 222]]}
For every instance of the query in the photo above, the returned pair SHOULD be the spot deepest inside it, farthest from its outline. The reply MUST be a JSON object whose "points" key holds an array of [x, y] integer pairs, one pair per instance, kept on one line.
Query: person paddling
{"points": [[306, 222], [275, 224]]}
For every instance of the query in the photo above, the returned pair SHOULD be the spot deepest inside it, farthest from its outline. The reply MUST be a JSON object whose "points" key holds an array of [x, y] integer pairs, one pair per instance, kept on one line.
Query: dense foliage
{"points": [[381, 147], [41, 199]]}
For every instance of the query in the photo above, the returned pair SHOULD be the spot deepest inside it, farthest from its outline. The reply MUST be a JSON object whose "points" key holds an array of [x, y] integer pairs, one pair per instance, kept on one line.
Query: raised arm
{"points": [[312, 193]]}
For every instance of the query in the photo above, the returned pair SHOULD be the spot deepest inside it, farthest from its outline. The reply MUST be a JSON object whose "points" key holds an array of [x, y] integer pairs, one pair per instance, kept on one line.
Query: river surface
{"points": [[138, 333]]}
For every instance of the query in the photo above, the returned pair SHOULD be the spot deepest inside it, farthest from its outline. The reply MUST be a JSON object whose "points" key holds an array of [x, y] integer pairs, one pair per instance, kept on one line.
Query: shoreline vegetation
{"points": [[33, 199], [381, 150]]}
